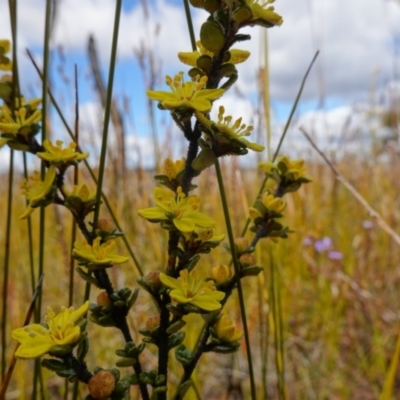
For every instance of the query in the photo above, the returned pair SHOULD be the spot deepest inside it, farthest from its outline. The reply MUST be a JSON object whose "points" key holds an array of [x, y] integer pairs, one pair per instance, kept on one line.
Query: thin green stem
{"points": [[190, 24], [281, 338], [46, 57], [13, 20], [263, 343], [286, 128], [274, 306], [73, 232], [237, 276], [6, 267], [107, 115], [30, 239], [107, 112]]}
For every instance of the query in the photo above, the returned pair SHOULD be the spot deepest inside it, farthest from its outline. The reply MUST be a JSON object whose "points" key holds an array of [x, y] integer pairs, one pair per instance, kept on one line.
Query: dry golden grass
{"points": [[340, 317]]}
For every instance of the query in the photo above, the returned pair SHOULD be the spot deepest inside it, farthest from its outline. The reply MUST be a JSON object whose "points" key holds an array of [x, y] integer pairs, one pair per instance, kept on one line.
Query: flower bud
{"points": [[153, 322], [247, 260], [205, 234], [105, 225], [103, 299], [221, 273], [101, 385], [152, 279], [242, 244]]}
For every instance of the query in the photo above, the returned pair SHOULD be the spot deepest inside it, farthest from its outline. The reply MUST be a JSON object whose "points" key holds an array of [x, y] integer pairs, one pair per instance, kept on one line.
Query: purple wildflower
{"points": [[335, 255], [323, 244], [367, 224]]}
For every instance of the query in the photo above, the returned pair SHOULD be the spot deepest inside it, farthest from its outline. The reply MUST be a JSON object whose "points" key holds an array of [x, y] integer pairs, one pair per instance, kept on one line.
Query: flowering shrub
{"points": [[178, 289]]}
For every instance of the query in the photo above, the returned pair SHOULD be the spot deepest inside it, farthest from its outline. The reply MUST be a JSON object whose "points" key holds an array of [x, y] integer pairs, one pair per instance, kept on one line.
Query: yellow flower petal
{"points": [[181, 210], [189, 288], [238, 56], [98, 253], [183, 94], [36, 340]]}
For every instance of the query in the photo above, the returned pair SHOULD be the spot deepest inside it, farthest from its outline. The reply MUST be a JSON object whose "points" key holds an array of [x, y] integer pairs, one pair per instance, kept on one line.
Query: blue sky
{"points": [[356, 40]]}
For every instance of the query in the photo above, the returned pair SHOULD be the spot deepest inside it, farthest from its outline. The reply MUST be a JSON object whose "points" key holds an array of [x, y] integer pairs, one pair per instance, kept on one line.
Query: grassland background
{"points": [[340, 316], [340, 311]]}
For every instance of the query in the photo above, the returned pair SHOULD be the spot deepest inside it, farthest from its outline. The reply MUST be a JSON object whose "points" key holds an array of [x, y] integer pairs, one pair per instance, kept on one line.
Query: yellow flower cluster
{"points": [[189, 95], [36, 190], [236, 130], [190, 58], [57, 155], [189, 288], [264, 12], [227, 330], [37, 340], [173, 168], [26, 115], [180, 209], [271, 203], [290, 169], [82, 191], [5, 62], [97, 254]]}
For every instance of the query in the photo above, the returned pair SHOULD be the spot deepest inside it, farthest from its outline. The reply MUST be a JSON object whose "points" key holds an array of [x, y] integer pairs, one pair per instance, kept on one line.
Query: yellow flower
{"points": [[24, 119], [207, 235], [186, 94], [173, 168], [5, 62], [227, 330], [189, 288], [290, 170], [271, 203], [56, 155], [83, 191], [190, 58], [37, 340], [221, 273], [262, 11], [180, 209], [295, 169], [98, 253], [236, 130], [36, 190]]}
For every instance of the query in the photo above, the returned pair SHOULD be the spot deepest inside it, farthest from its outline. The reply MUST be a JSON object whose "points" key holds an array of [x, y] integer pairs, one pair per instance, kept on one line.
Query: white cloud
{"points": [[354, 37]]}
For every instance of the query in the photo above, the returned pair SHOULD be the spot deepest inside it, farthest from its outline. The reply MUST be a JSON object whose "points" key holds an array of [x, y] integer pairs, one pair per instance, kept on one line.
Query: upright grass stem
{"points": [[6, 267], [107, 112], [73, 231], [15, 88], [46, 56], [237, 275], [190, 24]]}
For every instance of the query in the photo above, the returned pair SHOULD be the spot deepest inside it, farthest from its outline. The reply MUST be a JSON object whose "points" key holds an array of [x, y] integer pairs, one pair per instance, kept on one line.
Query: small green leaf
{"points": [[53, 365], [212, 37], [184, 387], [83, 349]]}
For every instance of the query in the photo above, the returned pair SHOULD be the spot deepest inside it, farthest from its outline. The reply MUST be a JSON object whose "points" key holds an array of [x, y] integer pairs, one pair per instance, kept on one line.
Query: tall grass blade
{"points": [[237, 275], [189, 22], [390, 379], [6, 267], [15, 90], [107, 114]]}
